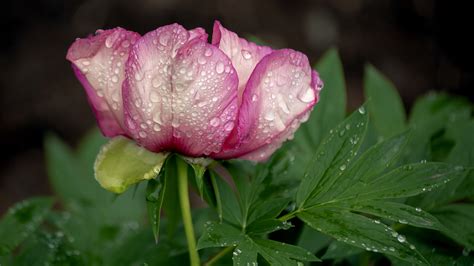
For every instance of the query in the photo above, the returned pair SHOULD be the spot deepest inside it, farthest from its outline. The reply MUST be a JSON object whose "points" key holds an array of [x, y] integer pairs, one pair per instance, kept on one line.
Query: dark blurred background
{"points": [[420, 45]]}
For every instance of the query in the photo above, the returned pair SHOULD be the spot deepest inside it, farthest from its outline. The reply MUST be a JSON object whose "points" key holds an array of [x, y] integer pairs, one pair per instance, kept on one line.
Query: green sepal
{"points": [[122, 163]]}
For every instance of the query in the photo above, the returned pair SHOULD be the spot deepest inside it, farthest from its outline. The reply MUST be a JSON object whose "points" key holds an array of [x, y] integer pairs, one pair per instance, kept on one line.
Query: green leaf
{"points": [[339, 250], [121, 163], [267, 226], [385, 106], [400, 213], [458, 222], [267, 209], [331, 159], [21, 221], [155, 194], [312, 240], [276, 253], [430, 115], [362, 232], [68, 175], [404, 181], [219, 235], [369, 166]]}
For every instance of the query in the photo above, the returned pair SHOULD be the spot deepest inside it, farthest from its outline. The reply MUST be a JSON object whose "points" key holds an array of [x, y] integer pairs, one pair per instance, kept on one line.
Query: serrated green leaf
{"points": [[155, 194], [267, 226], [458, 222], [400, 213], [338, 250], [404, 181], [276, 253], [245, 253], [122, 163], [20, 221], [331, 159], [50, 249], [219, 235], [68, 175], [267, 209], [430, 115], [313, 240], [385, 107], [360, 231], [370, 165]]}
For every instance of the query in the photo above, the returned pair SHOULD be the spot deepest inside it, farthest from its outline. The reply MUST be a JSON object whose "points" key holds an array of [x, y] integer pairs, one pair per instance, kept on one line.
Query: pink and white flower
{"points": [[171, 90]]}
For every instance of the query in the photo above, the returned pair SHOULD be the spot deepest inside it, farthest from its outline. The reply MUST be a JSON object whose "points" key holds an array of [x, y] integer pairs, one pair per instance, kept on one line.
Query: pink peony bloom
{"points": [[171, 90]]}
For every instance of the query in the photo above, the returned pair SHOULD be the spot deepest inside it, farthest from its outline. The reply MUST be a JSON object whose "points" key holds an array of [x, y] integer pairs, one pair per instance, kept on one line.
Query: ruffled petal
{"points": [[204, 98], [244, 54], [278, 97], [177, 86], [98, 62]]}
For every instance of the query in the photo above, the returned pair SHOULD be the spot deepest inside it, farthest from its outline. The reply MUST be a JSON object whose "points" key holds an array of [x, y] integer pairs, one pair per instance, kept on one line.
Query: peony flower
{"points": [[171, 90]]}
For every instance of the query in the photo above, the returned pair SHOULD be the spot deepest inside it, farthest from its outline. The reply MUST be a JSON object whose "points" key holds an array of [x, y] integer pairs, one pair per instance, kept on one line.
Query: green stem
{"points": [[186, 211], [218, 256]]}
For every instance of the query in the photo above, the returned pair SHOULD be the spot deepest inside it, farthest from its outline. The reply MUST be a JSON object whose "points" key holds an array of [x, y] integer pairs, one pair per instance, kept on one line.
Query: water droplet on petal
{"points": [[154, 97], [126, 43], [215, 122], [114, 79], [246, 54], [201, 60], [229, 126], [219, 67], [157, 118], [138, 76], [142, 134], [86, 62], [269, 116], [163, 39], [307, 96], [208, 52]]}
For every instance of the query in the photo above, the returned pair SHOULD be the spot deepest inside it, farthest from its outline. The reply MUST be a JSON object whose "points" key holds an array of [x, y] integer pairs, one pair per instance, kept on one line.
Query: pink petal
{"points": [[169, 103], [98, 62], [243, 54], [279, 96]]}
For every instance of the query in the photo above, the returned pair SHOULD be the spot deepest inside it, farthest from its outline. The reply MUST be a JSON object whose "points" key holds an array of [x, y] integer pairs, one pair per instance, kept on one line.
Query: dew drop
{"points": [[215, 122], [201, 60], [142, 134], [163, 39], [269, 116], [126, 43], [254, 98], [418, 209], [307, 96], [246, 54], [154, 97], [114, 79], [220, 68], [208, 52], [342, 167], [401, 238], [156, 128], [138, 76], [86, 62], [229, 126], [361, 110]]}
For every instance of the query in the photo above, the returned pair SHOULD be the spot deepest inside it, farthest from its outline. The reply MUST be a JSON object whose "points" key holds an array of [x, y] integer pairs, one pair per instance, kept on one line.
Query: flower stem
{"points": [[186, 211]]}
